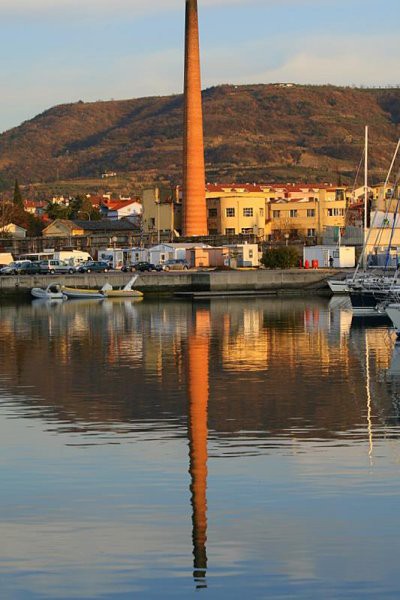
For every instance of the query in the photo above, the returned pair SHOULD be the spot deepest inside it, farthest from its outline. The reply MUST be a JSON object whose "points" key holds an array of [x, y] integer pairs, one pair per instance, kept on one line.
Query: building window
{"points": [[250, 253], [339, 195], [230, 212], [276, 214], [261, 212], [293, 214], [247, 230], [335, 212], [311, 232], [230, 230], [310, 212], [213, 212], [247, 212]]}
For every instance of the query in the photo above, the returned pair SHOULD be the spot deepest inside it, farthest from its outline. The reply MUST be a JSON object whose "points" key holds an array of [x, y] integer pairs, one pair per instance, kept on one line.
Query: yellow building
{"points": [[308, 216], [276, 211], [237, 215], [162, 212]]}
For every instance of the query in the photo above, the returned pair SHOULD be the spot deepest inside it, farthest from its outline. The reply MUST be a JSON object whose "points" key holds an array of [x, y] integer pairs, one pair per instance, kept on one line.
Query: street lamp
{"points": [[286, 236], [158, 221]]}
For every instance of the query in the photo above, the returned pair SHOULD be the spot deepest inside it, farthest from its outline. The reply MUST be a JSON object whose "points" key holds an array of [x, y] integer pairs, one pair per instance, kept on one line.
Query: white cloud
{"points": [[316, 59], [341, 60]]}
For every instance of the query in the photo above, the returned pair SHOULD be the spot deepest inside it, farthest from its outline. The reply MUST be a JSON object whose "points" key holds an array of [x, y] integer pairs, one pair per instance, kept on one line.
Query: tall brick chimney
{"points": [[194, 181]]}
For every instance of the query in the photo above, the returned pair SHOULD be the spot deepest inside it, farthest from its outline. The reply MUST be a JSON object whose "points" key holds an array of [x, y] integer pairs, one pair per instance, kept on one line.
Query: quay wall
{"points": [[276, 281]]}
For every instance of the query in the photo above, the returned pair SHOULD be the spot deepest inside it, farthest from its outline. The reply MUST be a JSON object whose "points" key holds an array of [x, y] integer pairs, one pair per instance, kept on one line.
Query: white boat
{"points": [[52, 292], [338, 286], [393, 312], [107, 291]]}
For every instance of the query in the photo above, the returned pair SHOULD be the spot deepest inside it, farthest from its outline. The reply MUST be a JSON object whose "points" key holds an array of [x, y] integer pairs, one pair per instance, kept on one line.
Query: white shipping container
{"points": [[342, 256]]}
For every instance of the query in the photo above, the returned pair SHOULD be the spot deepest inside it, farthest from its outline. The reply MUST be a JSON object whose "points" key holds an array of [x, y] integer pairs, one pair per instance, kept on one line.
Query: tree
{"points": [[54, 211], [17, 198], [280, 258], [7, 213], [32, 224]]}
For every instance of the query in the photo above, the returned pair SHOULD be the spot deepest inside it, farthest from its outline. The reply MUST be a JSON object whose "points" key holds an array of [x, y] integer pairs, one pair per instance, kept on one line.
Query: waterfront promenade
{"points": [[191, 282]]}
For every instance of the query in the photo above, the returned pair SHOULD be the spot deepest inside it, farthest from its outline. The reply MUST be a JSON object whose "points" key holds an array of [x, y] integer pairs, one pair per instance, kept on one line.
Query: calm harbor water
{"points": [[237, 448]]}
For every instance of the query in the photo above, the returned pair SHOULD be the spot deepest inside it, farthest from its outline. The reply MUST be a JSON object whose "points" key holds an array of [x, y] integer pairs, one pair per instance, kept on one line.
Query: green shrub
{"points": [[280, 258]]}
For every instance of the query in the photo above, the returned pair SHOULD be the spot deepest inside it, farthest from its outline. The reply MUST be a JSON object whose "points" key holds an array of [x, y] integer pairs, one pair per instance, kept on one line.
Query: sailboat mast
{"points": [[365, 197]]}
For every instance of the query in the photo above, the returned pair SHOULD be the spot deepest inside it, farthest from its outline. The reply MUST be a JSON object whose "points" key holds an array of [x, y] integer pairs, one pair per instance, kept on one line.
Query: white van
{"points": [[72, 257]]}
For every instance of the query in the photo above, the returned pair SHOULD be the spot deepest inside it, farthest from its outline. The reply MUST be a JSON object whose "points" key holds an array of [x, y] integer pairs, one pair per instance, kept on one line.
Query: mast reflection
{"points": [[198, 391]]}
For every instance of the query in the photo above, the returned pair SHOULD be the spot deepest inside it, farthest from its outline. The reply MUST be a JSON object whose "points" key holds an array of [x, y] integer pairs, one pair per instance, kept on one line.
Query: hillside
{"points": [[252, 133]]}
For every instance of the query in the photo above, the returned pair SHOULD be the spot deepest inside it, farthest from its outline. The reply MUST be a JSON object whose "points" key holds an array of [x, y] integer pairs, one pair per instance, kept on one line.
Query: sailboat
{"points": [[343, 286], [367, 289], [367, 292]]}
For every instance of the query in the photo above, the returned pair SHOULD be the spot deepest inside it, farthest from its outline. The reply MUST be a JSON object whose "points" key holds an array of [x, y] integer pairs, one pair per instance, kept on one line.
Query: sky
{"points": [[61, 51]]}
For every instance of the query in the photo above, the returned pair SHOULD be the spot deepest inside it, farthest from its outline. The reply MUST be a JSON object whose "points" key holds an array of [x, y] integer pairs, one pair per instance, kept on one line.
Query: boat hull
{"points": [[122, 294], [338, 286], [393, 312], [73, 293], [47, 295], [365, 303]]}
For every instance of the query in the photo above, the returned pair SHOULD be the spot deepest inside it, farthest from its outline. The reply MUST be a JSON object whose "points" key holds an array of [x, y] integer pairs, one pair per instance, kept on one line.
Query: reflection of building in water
{"points": [[255, 340], [97, 366], [198, 390], [245, 345]]}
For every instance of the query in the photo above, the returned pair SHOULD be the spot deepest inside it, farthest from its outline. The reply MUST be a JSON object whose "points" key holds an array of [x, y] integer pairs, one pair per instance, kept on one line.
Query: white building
{"points": [[162, 252], [338, 257], [14, 231]]}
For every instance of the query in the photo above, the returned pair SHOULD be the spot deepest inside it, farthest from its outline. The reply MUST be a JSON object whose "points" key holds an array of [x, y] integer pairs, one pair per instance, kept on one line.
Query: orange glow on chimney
{"points": [[194, 180]]}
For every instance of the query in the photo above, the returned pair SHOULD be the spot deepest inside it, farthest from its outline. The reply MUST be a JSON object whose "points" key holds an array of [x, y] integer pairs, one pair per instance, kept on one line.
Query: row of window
{"points": [[276, 214], [311, 232], [231, 212], [331, 212], [244, 231]]}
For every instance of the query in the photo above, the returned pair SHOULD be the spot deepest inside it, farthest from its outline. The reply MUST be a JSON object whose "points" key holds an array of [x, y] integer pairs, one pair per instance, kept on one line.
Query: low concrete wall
{"points": [[190, 281]]}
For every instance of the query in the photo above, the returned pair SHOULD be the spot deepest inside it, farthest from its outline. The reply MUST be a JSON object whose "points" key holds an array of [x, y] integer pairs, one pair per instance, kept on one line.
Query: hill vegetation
{"points": [[260, 133]]}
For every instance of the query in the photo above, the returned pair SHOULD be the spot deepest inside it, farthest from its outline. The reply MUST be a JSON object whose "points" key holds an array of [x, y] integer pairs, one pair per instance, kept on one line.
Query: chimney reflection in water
{"points": [[198, 389]]}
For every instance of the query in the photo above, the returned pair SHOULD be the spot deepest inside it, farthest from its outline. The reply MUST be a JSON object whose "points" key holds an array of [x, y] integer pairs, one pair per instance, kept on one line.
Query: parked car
{"points": [[144, 266], [98, 266], [175, 264], [32, 269], [56, 266], [18, 267]]}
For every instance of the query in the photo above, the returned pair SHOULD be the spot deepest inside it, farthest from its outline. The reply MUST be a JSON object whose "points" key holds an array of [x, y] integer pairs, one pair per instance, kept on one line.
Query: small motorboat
{"points": [[107, 291], [52, 292]]}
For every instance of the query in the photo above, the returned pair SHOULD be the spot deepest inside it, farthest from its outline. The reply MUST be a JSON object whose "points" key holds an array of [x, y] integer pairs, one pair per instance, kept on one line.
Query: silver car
{"points": [[56, 266], [15, 268]]}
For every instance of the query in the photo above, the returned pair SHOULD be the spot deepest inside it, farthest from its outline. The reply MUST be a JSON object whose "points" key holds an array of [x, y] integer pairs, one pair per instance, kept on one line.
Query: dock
{"points": [[194, 284]]}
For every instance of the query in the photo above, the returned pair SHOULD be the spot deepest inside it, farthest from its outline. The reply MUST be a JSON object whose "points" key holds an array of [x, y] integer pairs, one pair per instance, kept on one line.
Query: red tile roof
{"points": [[285, 187], [118, 204]]}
